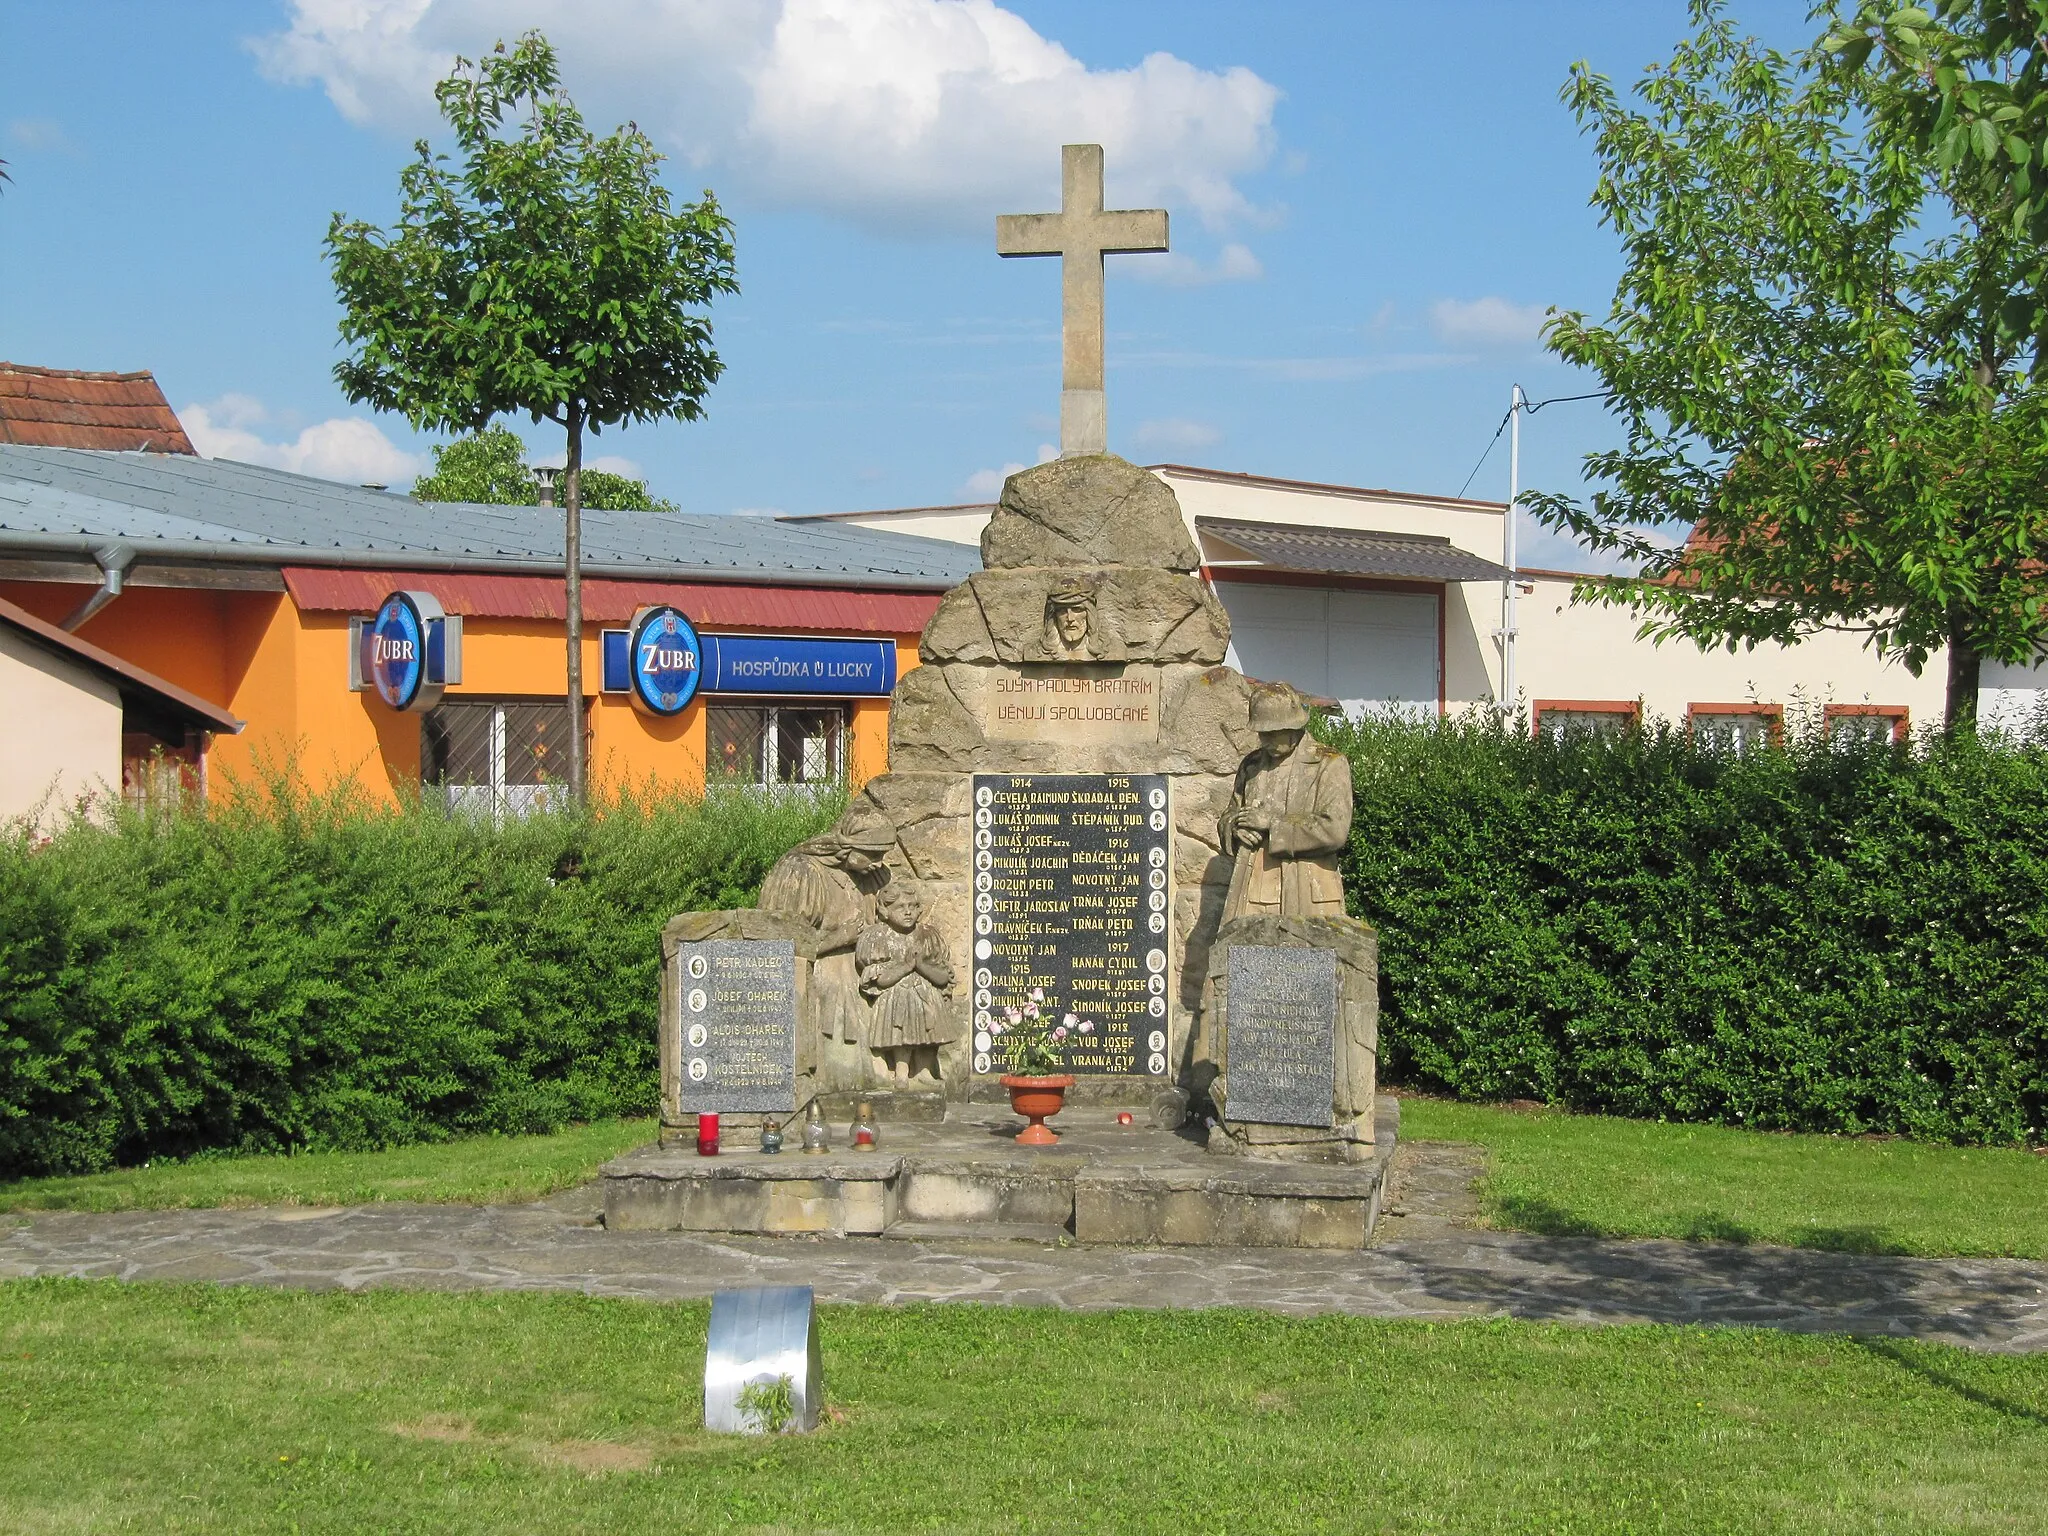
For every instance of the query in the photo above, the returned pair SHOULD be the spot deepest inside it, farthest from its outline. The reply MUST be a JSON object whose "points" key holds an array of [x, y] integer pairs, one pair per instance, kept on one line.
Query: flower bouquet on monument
{"points": [[1031, 1038]]}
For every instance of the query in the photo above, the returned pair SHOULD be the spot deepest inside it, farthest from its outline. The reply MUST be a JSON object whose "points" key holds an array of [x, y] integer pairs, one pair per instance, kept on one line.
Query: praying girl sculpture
{"points": [[905, 973]]}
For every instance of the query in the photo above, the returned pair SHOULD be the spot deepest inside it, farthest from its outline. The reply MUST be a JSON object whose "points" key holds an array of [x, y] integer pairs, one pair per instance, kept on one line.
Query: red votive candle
{"points": [[707, 1135], [1123, 1117]]}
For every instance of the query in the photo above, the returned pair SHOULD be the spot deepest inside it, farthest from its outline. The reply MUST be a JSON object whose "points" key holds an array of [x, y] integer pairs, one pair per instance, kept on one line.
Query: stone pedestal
{"points": [[1354, 1042]]}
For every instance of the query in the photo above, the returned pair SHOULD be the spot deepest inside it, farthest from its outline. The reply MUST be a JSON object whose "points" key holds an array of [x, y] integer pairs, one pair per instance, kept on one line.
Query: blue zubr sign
{"points": [[785, 665], [788, 665], [398, 651], [407, 651], [666, 661]]}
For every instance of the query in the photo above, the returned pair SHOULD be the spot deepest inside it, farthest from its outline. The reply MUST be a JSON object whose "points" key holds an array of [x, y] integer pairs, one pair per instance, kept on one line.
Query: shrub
{"points": [[1826, 937], [1829, 939], [286, 970]]}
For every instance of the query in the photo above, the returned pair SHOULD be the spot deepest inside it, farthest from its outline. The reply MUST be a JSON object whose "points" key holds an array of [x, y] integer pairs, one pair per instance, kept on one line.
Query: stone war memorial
{"points": [[1094, 833]]}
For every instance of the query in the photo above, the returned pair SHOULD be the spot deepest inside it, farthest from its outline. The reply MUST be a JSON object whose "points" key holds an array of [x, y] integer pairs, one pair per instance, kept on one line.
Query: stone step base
{"points": [[966, 1178], [1042, 1232]]}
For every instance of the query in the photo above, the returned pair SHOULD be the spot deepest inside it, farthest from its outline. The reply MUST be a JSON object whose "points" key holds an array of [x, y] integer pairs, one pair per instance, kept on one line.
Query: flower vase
{"points": [[1037, 1099]]}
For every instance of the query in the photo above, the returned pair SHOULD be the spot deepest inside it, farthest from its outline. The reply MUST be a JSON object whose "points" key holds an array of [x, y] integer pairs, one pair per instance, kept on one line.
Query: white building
{"points": [[1384, 599]]}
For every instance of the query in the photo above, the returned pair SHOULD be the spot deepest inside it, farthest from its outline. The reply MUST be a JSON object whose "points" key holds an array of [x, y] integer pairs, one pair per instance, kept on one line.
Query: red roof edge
{"points": [[815, 610]]}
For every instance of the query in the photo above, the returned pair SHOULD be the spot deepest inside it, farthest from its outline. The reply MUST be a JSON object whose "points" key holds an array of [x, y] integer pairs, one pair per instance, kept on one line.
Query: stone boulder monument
{"points": [[1085, 810]]}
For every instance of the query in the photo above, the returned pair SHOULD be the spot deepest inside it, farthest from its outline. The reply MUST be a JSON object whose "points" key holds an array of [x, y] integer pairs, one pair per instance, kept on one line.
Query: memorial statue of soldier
{"points": [[829, 884], [1289, 817]]}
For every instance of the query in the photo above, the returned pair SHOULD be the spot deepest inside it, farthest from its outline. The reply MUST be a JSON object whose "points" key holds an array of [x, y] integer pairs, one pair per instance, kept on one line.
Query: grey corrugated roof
{"points": [[173, 507], [1353, 551]]}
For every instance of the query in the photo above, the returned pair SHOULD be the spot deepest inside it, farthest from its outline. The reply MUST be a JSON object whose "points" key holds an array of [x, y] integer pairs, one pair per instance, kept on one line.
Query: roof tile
{"points": [[65, 408]]}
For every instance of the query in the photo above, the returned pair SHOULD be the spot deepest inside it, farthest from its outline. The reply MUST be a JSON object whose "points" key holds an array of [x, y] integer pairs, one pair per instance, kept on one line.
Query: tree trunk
{"points": [[1959, 713], [572, 561]]}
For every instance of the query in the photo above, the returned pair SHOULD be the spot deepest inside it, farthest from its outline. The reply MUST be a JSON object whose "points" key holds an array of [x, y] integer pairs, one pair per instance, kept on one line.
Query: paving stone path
{"points": [[1426, 1263]]}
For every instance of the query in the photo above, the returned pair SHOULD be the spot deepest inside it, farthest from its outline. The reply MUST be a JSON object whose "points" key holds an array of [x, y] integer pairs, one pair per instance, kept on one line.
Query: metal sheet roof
{"points": [[1353, 551], [822, 610], [215, 509]]}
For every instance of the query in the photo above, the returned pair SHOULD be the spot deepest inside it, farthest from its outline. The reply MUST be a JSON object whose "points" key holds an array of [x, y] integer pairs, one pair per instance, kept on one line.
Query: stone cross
{"points": [[1080, 234]]}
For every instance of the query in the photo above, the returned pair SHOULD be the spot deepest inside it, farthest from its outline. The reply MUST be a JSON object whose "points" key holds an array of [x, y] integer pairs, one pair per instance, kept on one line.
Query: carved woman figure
{"points": [[905, 973], [829, 885]]}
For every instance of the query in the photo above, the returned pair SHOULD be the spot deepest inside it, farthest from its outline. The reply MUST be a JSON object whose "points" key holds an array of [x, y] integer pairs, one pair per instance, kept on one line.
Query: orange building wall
{"points": [[285, 673]]}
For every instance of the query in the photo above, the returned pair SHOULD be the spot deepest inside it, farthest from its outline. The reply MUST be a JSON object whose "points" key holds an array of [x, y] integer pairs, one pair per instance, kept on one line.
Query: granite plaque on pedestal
{"points": [[1281, 1045], [737, 1001], [1073, 899]]}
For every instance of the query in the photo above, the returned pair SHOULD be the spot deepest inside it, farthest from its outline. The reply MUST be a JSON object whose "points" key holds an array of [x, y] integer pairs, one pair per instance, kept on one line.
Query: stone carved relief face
{"points": [[900, 905], [1072, 622], [1279, 745], [1068, 619]]}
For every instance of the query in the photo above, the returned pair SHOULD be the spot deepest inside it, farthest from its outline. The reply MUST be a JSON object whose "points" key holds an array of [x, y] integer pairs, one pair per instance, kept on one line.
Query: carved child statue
{"points": [[905, 973]]}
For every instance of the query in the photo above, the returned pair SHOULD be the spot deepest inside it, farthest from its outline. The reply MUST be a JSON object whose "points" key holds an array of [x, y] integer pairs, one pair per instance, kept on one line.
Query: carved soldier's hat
{"points": [[1076, 591], [1277, 707]]}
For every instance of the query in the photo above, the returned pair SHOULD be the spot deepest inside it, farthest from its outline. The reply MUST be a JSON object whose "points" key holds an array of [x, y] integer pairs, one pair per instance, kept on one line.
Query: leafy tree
{"points": [[550, 274], [1967, 83], [490, 466], [1813, 349]]}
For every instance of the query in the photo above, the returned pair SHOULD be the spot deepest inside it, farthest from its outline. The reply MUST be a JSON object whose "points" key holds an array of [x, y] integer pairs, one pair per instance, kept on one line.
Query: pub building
{"points": [[356, 632]]}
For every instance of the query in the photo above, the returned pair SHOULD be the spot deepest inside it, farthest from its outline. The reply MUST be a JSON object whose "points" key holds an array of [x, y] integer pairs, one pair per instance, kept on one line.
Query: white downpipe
{"points": [[1507, 556]]}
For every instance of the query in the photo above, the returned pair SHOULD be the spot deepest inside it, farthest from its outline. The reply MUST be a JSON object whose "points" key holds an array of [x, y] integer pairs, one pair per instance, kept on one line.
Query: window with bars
{"points": [[1736, 728], [1880, 723], [1557, 718], [774, 744], [499, 756]]}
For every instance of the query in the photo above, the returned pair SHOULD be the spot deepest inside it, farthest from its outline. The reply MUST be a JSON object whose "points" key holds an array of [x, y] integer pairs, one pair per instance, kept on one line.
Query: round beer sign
{"points": [[667, 661], [398, 651]]}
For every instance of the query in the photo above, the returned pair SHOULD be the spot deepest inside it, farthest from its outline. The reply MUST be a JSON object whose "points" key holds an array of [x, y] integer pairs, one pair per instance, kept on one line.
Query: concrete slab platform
{"points": [[1103, 1183]]}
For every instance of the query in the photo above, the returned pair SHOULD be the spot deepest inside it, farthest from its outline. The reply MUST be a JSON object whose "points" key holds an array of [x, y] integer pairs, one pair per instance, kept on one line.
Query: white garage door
{"points": [[1368, 650]]}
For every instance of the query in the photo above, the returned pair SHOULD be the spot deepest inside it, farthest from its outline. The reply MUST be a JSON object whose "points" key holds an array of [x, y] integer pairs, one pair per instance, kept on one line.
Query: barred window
{"points": [[1556, 718], [771, 744], [499, 756], [1736, 728]]}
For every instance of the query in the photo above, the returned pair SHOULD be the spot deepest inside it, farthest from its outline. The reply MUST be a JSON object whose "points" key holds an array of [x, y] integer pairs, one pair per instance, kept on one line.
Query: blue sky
{"points": [[1372, 205]]}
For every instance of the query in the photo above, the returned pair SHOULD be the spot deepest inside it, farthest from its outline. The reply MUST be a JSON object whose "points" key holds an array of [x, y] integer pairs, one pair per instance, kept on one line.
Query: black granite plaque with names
{"points": [[737, 1002], [1073, 898], [1280, 1052]]}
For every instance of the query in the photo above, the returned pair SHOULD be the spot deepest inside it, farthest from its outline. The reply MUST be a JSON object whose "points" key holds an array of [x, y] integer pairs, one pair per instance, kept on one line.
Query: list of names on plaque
{"points": [[1073, 902], [737, 1001]]}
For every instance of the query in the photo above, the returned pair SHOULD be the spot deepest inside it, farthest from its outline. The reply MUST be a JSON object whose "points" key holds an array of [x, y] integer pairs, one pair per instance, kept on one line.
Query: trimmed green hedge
{"points": [[1814, 939], [1820, 938], [296, 972]]}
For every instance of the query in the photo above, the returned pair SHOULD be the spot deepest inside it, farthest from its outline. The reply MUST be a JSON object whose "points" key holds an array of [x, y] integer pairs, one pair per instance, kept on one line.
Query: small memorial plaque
{"points": [[737, 1004], [1073, 898], [1281, 1047]]}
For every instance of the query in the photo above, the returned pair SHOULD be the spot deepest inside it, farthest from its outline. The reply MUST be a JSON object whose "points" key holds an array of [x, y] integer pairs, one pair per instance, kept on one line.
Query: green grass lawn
{"points": [[189, 1408], [476, 1169], [1599, 1176]]}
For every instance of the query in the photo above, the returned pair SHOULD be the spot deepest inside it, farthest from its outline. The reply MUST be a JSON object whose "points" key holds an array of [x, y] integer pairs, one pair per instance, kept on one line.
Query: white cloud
{"points": [[1174, 433], [347, 448], [41, 133], [987, 484], [898, 114], [757, 512], [1487, 322], [1233, 264]]}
